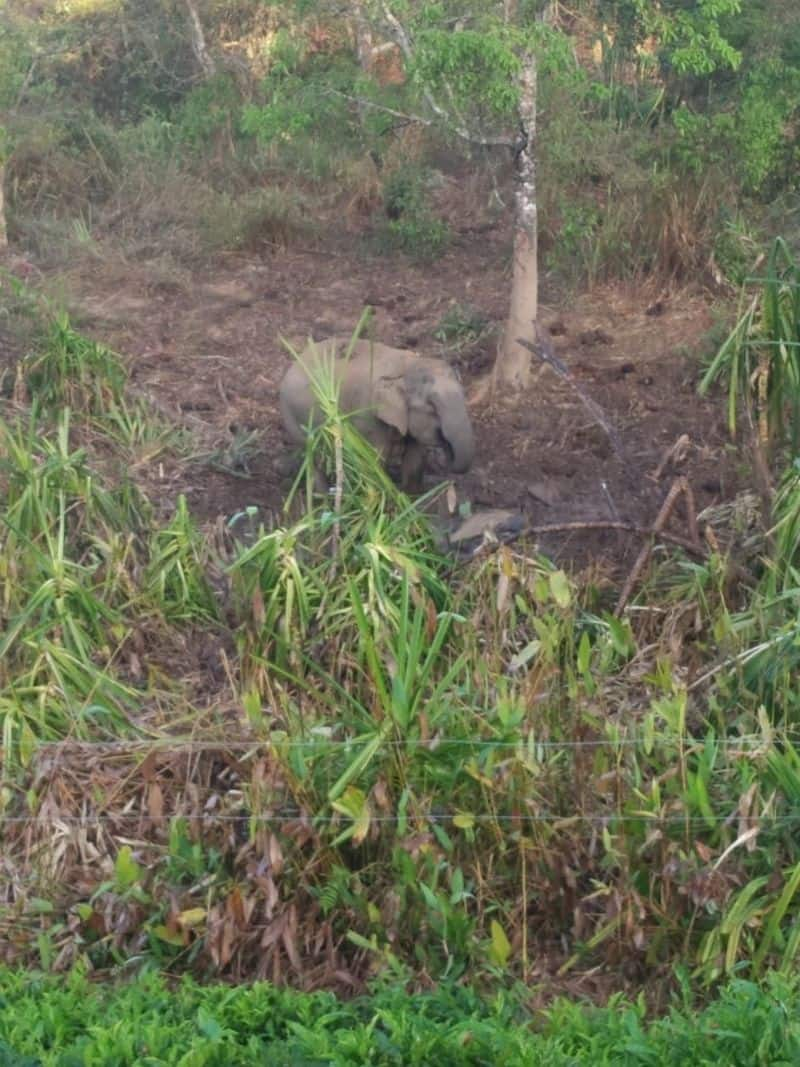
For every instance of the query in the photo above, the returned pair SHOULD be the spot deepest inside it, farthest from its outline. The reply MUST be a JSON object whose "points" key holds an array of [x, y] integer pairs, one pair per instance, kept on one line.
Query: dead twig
{"points": [[329, 252], [674, 454], [680, 487], [691, 512], [542, 347], [612, 507], [486, 547]]}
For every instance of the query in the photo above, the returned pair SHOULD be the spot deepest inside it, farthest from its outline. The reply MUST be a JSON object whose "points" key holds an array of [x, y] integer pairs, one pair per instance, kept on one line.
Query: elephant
{"points": [[399, 401]]}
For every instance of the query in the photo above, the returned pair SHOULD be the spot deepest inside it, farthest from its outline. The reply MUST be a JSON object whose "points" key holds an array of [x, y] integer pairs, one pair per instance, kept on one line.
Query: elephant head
{"points": [[426, 403]]}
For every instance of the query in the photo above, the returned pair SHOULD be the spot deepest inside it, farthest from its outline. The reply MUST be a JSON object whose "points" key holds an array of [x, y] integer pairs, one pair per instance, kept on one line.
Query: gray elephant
{"points": [[400, 402]]}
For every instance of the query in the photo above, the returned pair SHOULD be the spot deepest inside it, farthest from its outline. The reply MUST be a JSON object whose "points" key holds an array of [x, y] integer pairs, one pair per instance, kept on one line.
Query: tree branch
{"points": [[25, 85], [693, 547], [403, 42], [680, 487], [379, 107]]}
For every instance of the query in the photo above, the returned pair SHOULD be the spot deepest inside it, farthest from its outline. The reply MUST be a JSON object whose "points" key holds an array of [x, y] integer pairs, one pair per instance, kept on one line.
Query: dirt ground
{"points": [[208, 351]]}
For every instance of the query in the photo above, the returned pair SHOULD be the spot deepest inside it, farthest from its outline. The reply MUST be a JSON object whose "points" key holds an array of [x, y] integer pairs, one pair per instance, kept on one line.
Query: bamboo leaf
{"points": [[500, 948], [776, 917]]}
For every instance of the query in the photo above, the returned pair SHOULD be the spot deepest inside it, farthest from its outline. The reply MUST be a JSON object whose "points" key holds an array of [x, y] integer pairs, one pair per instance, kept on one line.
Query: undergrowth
{"points": [[322, 749]]}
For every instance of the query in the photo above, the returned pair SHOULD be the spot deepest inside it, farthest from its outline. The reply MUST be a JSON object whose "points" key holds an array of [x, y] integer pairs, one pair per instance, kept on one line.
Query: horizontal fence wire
{"points": [[190, 745], [412, 824], [754, 342], [284, 817], [772, 279]]}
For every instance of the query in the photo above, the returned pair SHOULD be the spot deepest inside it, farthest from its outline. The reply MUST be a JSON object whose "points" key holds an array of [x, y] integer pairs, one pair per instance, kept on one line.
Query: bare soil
{"points": [[209, 353]]}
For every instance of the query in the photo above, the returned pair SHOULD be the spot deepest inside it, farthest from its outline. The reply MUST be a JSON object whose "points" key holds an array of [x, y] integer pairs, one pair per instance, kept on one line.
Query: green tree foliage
{"points": [[688, 97], [732, 78], [689, 36]]}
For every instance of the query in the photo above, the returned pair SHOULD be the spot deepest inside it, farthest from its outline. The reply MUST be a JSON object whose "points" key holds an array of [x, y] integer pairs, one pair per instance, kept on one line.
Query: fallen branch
{"points": [[628, 527], [674, 454], [692, 547], [543, 349], [691, 512]]}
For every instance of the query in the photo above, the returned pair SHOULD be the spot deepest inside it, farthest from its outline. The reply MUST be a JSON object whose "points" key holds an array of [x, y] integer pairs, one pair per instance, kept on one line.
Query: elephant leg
{"points": [[290, 464], [412, 468]]}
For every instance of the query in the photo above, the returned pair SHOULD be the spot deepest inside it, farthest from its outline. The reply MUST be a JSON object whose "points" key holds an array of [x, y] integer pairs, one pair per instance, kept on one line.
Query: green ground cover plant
{"points": [[58, 1023]]}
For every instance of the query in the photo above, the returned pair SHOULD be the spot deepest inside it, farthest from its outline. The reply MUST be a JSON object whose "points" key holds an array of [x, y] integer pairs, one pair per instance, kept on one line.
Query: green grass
{"points": [[65, 1022]]}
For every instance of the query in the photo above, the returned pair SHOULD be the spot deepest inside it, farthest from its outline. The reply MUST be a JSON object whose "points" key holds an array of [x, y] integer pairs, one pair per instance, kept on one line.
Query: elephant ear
{"points": [[391, 405]]}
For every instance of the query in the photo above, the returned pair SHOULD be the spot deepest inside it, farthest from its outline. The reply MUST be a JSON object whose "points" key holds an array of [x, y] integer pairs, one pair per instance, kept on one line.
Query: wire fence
{"points": [[465, 818], [766, 279], [754, 741]]}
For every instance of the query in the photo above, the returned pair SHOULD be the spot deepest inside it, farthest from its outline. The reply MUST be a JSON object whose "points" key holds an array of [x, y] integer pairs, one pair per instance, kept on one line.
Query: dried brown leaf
{"points": [[155, 802], [275, 854], [289, 940], [259, 612], [234, 905]]}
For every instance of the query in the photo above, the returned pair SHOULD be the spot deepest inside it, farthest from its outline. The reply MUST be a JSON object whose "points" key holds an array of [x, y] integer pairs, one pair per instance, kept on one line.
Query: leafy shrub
{"points": [[302, 101], [411, 225], [461, 324], [421, 236], [760, 359], [71, 371], [207, 110]]}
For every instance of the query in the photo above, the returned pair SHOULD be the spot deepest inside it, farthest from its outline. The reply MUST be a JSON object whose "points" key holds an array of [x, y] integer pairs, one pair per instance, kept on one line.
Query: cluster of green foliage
{"points": [[411, 226], [47, 1023], [759, 362], [761, 357]]}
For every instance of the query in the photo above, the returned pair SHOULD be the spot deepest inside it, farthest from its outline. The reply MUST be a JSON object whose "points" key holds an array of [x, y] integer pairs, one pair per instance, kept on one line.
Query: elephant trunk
{"points": [[457, 431]]}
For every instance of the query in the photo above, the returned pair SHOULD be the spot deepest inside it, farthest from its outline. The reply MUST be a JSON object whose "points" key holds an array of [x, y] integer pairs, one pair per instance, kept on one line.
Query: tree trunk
{"points": [[199, 47], [513, 365], [363, 34], [3, 230]]}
